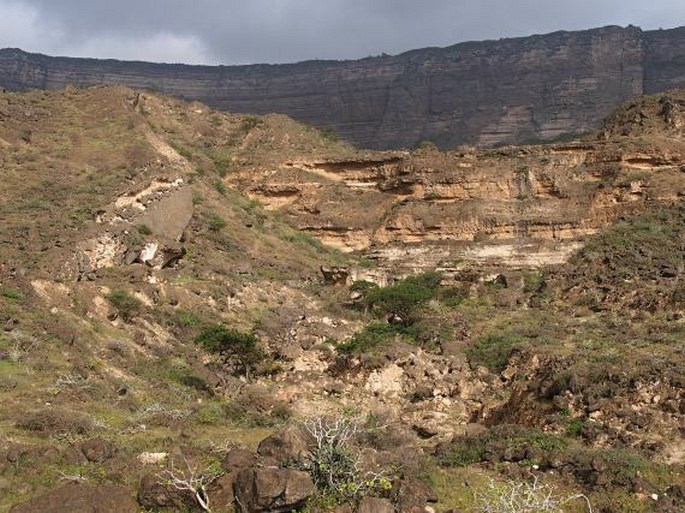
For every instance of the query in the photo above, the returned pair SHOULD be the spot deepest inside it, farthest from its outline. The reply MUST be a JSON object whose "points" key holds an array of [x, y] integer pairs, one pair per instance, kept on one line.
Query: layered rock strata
{"points": [[487, 93]]}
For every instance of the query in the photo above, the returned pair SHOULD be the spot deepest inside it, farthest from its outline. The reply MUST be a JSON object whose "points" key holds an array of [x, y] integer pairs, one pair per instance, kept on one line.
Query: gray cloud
{"points": [[248, 31]]}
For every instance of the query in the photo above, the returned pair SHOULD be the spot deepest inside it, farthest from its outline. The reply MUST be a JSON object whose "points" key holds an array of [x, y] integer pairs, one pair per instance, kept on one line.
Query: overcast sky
{"points": [[273, 31]]}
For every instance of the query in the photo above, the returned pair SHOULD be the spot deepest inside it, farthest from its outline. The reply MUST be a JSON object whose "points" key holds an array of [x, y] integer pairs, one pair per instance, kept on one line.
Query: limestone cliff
{"points": [[515, 206], [486, 93]]}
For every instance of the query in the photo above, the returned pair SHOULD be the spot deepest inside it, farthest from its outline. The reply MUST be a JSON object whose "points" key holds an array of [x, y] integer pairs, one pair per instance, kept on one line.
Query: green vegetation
{"points": [[250, 121], [329, 134], [373, 337], [144, 229], [402, 301], [216, 223], [492, 350], [237, 348], [12, 294], [126, 304], [336, 463], [220, 187]]}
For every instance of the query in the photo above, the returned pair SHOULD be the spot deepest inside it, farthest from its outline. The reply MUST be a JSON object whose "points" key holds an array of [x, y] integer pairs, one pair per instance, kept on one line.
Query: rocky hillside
{"points": [[483, 93], [204, 311]]}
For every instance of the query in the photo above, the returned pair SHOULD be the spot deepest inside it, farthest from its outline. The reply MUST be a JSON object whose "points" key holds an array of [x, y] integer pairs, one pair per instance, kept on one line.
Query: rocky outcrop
{"points": [[486, 93], [516, 207]]}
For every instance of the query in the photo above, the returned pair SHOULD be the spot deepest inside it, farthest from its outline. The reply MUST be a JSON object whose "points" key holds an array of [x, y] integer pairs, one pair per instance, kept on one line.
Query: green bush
{"points": [[362, 286], [220, 187], [12, 294], [187, 318], [492, 351], [238, 348], [144, 229], [336, 463], [403, 299], [329, 134], [216, 223], [222, 163], [250, 121], [127, 305], [372, 337]]}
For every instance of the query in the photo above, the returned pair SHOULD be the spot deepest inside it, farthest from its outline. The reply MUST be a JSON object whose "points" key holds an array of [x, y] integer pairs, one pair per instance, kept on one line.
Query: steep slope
{"points": [[160, 326], [540, 87]]}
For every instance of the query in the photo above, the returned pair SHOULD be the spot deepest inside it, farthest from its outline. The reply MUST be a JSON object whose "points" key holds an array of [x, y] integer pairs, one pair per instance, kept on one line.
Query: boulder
{"points": [[97, 450], [238, 459], [84, 498], [292, 445], [412, 496], [375, 505], [274, 490], [335, 275], [152, 494]]}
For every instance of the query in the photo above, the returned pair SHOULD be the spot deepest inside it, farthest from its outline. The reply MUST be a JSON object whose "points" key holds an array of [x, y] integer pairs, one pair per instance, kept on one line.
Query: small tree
{"points": [[523, 497], [191, 480], [238, 348], [403, 299], [336, 467]]}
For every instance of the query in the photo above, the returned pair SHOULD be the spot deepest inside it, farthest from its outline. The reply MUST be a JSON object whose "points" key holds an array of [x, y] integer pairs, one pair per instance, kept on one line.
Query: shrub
{"points": [[222, 163], [402, 300], [335, 464], [127, 305], [238, 348], [523, 497], [492, 351], [250, 121], [12, 294], [187, 318], [362, 286], [329, 134], [216, 223], [144, 229], [462, 453], [220, 187], [372, 337], [426, 145]]}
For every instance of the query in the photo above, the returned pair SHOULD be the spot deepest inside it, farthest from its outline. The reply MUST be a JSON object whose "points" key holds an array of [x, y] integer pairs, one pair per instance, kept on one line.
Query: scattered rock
{"points": [[335, 275]]}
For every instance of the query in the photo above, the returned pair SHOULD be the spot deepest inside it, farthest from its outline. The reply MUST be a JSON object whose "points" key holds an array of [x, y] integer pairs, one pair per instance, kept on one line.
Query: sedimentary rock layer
{"points": [[540, 87]]}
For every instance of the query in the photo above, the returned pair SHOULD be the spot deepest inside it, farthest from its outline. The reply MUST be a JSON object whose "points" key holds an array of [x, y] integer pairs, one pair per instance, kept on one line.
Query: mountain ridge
{"points": [[486, 93]]}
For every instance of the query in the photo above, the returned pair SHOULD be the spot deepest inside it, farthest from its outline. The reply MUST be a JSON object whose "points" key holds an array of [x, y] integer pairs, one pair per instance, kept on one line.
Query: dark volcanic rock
{"points": [[272, 489], [489, 92]]}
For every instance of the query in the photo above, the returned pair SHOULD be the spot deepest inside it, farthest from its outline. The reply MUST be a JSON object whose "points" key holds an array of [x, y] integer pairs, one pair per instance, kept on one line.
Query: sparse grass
{"points": [[220, 187], [126, 304]]}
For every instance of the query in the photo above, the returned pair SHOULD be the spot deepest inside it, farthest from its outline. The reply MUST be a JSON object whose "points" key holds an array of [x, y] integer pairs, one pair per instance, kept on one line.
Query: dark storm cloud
{"points": [[229, 31]]}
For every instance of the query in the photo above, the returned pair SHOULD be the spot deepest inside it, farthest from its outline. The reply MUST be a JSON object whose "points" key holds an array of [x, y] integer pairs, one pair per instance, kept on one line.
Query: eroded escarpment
{"points": [[517, 207], [488, 93]]}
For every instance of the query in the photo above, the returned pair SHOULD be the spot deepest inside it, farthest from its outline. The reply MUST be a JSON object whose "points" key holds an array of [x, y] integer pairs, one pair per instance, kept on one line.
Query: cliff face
{"points": [[485, 93]]}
